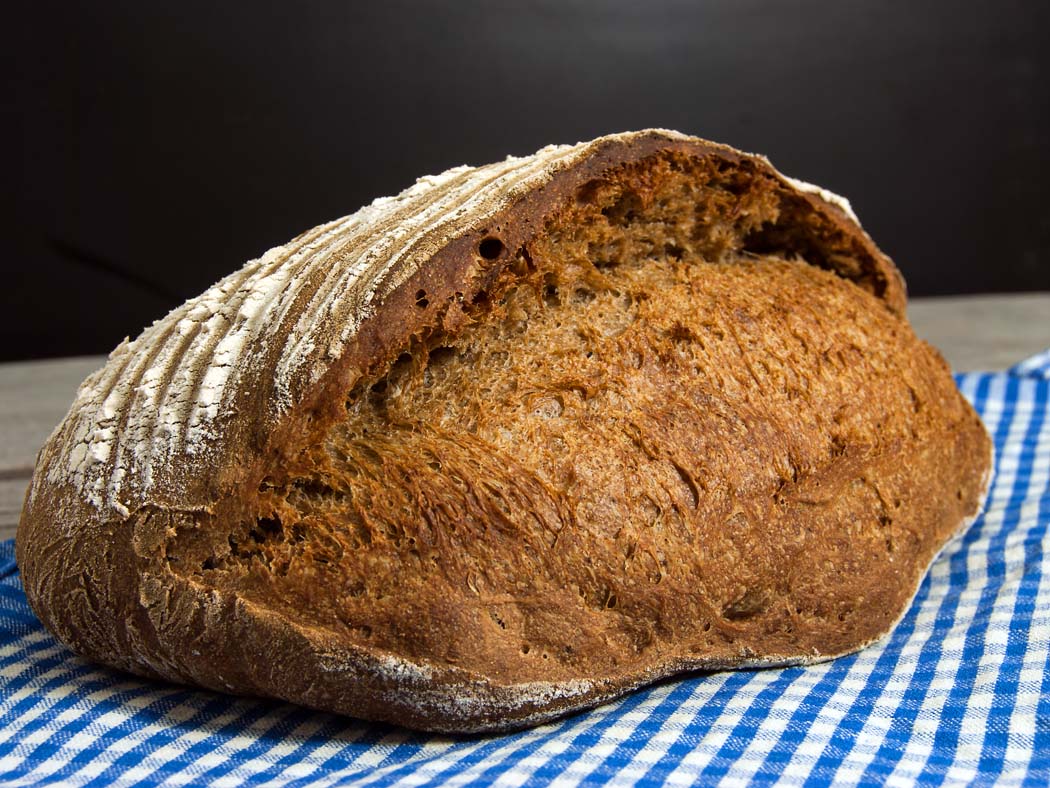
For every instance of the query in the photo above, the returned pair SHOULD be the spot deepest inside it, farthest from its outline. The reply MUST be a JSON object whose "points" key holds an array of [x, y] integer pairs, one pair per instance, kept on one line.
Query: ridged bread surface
{"points": [[163, 398]]}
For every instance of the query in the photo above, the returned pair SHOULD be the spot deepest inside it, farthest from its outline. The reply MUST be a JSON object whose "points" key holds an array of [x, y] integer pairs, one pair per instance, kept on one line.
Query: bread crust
{"points": [[202, 406]]}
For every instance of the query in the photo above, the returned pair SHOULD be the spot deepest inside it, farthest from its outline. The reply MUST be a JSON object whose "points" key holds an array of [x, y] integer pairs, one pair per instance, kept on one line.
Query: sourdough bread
{"points": [[512, 443]]}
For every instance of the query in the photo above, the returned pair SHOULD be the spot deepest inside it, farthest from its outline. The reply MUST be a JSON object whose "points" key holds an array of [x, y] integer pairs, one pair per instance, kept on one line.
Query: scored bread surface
{"points": [[160, 397], [511, 443]]}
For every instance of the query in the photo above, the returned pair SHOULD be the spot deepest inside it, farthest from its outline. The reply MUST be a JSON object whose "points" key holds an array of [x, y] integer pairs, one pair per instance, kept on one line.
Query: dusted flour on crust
{"points": [[519, 440], [161, 397]]}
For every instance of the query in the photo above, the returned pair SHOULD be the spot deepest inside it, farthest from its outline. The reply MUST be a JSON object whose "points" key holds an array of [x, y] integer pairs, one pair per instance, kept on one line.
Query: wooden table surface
{"points": [[974, 332]]}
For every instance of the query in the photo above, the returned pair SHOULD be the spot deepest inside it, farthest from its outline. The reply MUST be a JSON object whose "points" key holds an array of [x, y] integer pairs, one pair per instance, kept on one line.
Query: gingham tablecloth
{"points": [[959, 693]]}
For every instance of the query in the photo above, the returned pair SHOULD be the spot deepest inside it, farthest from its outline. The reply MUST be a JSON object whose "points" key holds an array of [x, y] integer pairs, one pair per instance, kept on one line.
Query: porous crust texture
{"points": [[515, 442]]}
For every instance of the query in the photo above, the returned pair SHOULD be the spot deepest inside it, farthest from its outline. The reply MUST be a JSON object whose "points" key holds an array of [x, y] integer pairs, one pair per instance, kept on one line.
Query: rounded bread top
{"points": [[159, 423]]}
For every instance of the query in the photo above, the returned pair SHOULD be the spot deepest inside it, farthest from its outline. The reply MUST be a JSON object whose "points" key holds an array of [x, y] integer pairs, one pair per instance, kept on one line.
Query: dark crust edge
{"points": [[112, 599]]}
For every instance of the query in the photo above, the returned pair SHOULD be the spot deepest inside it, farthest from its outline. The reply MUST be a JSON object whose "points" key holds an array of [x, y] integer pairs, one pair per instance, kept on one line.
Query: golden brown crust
{"points": [[100, 548]]}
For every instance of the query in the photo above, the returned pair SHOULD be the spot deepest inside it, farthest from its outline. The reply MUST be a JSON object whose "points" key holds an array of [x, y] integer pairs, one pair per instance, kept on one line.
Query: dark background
{"points": [[157, 146]]}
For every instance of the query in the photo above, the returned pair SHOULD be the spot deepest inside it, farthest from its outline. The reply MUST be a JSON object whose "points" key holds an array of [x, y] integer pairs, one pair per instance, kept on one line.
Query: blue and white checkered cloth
{"points": [[959, 693]]}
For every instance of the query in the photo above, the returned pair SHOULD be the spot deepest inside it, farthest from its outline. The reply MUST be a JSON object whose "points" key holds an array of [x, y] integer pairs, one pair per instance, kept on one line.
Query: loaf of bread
{"points": [[515, 442]]}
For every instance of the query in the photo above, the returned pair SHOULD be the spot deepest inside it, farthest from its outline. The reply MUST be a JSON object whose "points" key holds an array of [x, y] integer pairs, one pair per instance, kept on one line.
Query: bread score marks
{"points": [[454, 202], [158, 411]]}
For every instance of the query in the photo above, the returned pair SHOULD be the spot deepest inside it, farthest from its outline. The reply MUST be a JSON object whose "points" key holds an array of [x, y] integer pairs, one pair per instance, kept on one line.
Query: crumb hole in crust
{"points": [[588, 192], [421, 299], [491, 248], [582, 295], [440, 355], [624, 211], [550, 296], [497, 619], [266, 528]]}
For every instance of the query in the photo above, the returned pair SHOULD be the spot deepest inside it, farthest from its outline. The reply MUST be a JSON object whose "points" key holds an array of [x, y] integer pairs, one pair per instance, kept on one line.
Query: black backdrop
{"points": [[156, 146]]}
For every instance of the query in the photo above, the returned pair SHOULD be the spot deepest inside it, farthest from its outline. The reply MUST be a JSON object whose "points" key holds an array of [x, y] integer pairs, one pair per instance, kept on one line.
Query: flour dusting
{"points": [[159, 411]]}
